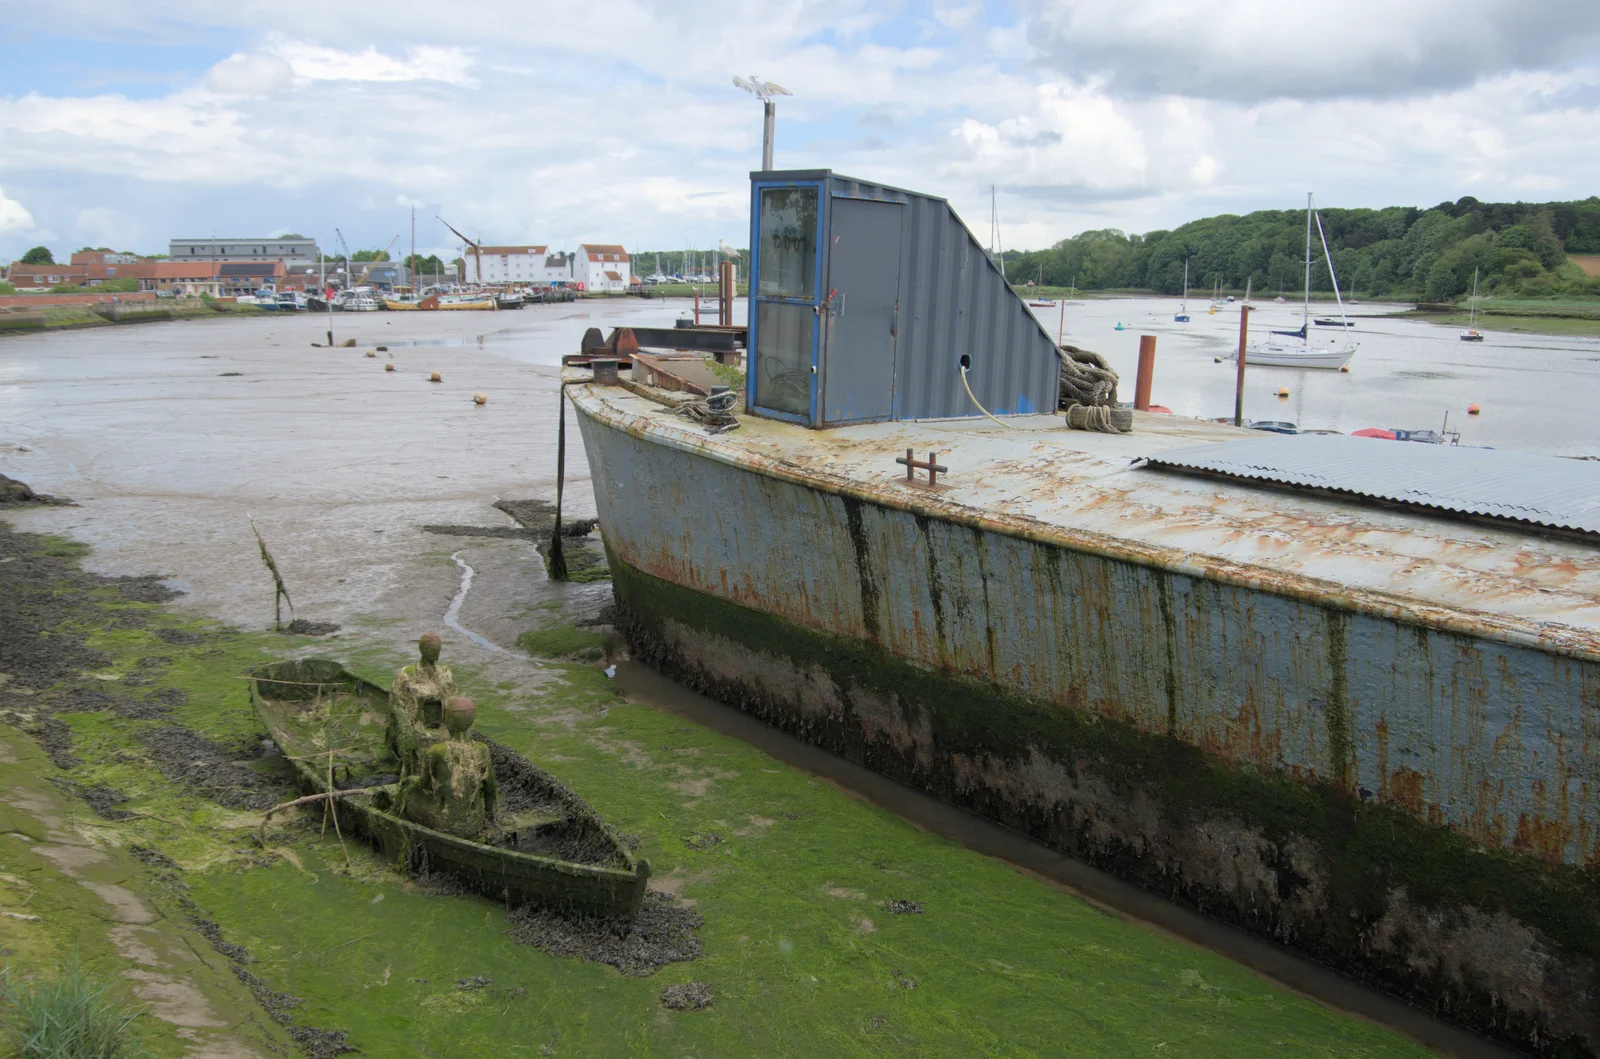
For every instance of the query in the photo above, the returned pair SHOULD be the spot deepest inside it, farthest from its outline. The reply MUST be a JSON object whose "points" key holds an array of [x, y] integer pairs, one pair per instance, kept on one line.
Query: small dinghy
{"points": [[495, 823]]}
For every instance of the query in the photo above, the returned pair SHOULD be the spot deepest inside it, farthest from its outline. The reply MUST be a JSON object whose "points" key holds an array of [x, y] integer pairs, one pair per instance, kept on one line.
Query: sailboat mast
{"points": [[1305, 320]]}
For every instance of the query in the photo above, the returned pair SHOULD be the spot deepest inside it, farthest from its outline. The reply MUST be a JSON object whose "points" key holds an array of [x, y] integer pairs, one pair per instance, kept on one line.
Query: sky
{"points": [[129, 124]]}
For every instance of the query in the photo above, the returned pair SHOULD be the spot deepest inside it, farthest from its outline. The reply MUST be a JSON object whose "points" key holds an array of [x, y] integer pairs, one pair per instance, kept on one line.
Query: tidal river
{"points": [[366, 481], [1537, 392]]}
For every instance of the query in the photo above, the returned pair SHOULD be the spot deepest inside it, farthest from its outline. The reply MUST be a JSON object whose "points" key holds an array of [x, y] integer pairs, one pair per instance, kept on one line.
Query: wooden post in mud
{"points": [[557, 561], [1147, 372], [1238, 385], [725, 292]]}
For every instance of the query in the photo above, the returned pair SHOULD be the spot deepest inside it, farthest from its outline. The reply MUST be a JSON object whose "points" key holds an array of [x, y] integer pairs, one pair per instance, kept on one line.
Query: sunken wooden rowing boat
{"points": [[545, 846]]}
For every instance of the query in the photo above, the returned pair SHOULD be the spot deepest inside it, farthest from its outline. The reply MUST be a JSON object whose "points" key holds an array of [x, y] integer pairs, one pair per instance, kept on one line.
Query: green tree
{"points": [[370, 255], [1442, 283], [39, 255], [425, 266]]}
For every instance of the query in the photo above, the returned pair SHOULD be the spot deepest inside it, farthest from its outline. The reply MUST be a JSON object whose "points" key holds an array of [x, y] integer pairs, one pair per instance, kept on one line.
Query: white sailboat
{"points": [[1294, 349], [1182, 315], [1472, 334], [1072, 294]]}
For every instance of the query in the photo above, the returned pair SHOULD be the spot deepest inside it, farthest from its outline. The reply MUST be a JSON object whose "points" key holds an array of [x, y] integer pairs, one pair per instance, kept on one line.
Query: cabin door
{"points": [[785, 300], [860, 310]]}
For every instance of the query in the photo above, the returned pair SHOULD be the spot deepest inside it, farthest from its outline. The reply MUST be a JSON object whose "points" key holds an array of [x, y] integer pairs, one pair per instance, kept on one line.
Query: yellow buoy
{"points": [[435, 377], [371, 353], [389, 366], [1345, 368], [480, 398]]}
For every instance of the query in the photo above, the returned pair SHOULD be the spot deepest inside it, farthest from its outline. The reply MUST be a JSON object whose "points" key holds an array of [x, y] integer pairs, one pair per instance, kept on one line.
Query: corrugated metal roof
{"points": [[1516, 486]]}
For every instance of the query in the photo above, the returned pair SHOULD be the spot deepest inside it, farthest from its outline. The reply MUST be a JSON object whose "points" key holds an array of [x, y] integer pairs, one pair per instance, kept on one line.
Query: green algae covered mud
{"points": [[1385, 791], [829, 927]]}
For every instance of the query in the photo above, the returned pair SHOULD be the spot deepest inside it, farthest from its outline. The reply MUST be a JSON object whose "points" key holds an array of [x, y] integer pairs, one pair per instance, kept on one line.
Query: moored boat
{"points": [[1472, 334], [457, 301], [545, 845], [1274, 352]]}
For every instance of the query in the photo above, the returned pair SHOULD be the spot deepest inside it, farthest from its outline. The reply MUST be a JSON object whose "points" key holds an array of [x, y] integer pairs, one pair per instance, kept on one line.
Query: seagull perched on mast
{"points": [[762, 90]]}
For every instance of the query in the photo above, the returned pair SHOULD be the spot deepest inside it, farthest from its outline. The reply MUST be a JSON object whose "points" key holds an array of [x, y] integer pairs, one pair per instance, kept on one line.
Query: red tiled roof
{"points": [[604, 251], [614, 277], [32, 273]]}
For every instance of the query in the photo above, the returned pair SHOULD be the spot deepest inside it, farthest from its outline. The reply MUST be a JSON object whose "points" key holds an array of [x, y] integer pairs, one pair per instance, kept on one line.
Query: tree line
{"points": [[1518, 249]]}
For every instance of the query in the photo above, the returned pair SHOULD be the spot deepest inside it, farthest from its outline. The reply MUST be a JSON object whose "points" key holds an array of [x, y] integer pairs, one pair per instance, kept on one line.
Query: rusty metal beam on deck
{"points": [[698, 339]]}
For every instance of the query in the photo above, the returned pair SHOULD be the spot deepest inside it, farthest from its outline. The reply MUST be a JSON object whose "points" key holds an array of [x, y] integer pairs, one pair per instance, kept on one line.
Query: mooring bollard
{"points": [[1147, 372], [605, 371], [1238, 381]]}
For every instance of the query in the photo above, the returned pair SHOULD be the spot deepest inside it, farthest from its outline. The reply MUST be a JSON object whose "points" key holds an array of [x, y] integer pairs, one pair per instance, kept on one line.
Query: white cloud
{"points": [[13, 217], [249, 75], [617, 123], [1252, 50], [422, 62], [103, 225]]}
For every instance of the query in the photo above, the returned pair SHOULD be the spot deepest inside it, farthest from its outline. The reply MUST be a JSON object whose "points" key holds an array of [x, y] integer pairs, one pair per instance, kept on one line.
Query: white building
{"points": [[517, 265], [602, 267], [291, 250]]}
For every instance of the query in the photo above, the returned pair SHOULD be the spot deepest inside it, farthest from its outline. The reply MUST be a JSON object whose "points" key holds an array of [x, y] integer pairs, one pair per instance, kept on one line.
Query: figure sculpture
{"points": [[446, 777], [416, 705], [453, 789]]}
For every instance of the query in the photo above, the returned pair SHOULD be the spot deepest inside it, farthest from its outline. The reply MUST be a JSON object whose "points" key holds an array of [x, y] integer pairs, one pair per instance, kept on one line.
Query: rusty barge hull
{"points": [[1392, 782]]}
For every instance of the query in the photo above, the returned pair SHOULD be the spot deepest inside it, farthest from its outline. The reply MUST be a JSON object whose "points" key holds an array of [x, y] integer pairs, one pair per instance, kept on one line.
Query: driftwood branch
{"points": [[280, 590], [320, 796]]}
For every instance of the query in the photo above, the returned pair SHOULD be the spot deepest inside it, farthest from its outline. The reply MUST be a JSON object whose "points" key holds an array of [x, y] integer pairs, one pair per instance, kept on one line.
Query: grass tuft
{"points": [[73, 1014], [564, 641]]}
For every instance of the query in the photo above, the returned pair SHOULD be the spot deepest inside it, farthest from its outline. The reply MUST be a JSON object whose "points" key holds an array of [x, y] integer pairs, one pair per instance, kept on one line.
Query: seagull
{"points": [[727, 251], [762, 90]]}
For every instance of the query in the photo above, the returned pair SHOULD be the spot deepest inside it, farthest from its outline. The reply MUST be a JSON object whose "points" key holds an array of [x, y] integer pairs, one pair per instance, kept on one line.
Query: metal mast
{"points": [[764, 91]]}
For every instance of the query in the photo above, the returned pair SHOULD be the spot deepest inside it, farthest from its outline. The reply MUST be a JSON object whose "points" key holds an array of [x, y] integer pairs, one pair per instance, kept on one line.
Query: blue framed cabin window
{"points": [[785, 303]]}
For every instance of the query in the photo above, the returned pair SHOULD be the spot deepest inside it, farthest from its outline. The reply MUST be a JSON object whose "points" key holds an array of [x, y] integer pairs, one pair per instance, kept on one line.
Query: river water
{"points": [[1537, 392]]}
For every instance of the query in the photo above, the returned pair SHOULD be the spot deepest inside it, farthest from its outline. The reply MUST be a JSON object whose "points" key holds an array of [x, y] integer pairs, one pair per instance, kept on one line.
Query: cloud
{"points": [[13, 217], [1257, 50], [617, 123], [422, 62], [101, 224], [249, 75]]}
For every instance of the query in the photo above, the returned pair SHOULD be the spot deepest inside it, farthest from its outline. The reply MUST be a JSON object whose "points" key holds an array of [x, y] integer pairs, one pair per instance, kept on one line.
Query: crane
{"points": [[476, 248], [383, 255]]}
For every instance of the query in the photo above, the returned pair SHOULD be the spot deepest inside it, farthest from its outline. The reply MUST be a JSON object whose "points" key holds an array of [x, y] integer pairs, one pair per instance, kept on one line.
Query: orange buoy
{"points": [[480, 398], [435, 377], [1283, 391], [1345, 368], [389, 366], [1473, 409]]}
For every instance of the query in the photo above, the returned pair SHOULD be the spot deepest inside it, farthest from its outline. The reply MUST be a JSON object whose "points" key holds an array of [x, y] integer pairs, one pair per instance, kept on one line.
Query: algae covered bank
{"points": [[1366, 732]]}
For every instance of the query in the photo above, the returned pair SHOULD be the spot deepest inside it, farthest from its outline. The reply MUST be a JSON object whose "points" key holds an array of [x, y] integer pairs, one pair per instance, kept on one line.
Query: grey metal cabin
{"points": [[866, 301]]}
